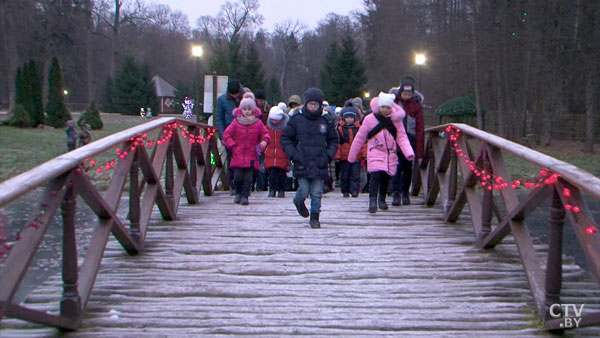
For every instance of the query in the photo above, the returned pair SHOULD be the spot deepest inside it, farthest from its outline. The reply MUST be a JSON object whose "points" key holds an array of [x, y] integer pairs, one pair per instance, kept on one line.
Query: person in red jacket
{"points": [[349, 171], [246, 137], [414, 124], [276, 162]]}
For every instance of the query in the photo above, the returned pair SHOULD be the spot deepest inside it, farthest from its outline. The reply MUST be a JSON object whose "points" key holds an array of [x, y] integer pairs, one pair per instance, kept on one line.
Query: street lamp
{"points": [[367, 95], [419, 61], [197, 52]]}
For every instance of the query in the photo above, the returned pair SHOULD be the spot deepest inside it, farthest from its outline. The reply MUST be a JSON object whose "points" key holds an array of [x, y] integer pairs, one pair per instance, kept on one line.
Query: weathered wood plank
{"points": [[260, 270]]}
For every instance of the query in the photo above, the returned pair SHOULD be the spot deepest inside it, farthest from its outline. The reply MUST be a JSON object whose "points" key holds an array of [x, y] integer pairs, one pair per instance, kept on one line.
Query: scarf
{"points": [[246, 120], [384, 122]]}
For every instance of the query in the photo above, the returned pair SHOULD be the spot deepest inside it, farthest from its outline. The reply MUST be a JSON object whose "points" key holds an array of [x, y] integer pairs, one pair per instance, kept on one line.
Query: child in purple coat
{"points": [[245, 137]]}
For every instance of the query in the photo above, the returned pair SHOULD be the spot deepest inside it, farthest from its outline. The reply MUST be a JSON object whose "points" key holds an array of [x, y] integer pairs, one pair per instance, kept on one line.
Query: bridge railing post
{"points": [[70, 304], [553, 282]]}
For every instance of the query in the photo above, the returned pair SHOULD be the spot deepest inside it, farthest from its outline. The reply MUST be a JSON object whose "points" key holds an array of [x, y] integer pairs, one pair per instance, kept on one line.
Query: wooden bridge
{"points": [[206, 266]]}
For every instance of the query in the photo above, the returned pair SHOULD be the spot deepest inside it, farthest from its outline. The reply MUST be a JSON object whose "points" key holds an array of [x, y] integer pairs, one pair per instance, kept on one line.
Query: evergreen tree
{"points": [[273, 91], [92, 117], [328, 77], [351, 70], [19, 118], [56, 108], [34, 104], [343, 74], [148, 90], [108, 102], [253, 75], [220, 62], [236, 64], [20, 88], [130, 89]]}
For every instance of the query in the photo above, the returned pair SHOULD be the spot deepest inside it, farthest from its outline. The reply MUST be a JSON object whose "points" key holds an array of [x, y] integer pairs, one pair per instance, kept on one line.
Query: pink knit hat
{"points": [[248, 103]]}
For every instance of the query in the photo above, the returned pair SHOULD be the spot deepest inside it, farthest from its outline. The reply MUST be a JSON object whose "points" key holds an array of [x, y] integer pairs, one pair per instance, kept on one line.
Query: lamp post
{"points": [[197, 53], [419, 61]]}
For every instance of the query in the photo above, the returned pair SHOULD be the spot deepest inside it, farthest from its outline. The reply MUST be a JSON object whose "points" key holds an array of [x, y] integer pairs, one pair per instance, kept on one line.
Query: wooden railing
{"points": [[452, 170], [182, 148]]}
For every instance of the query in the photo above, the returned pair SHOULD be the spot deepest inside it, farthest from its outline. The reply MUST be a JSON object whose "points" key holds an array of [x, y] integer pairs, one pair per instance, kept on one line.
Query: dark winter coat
{"points": [[416, 132], [224, 114], [310, 141], [243, 141]]}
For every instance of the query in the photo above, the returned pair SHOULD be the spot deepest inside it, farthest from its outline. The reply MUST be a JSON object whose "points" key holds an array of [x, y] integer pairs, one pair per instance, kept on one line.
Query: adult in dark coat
{"points": [[226, 103], [409, 99], [310, 141]]}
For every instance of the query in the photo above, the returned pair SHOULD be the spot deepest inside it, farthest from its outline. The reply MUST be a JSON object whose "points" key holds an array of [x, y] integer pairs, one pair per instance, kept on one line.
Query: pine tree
{"points": [[329, 74], [149, 93], [20, 88], [273, 91], [56, 108], [235, 60], [351, 70], [343, 74], [92, 117], [253, 75], [129, 95], [34, 105], [220, 62], [19, 118]]}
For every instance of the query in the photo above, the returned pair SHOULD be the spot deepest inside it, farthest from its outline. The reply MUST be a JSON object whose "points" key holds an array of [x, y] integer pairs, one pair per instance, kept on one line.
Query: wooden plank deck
{"points": [[260, 270]]}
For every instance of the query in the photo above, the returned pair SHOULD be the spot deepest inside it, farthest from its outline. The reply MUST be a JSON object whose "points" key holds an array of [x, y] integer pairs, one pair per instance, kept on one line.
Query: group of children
{"points": [[388, 137]]}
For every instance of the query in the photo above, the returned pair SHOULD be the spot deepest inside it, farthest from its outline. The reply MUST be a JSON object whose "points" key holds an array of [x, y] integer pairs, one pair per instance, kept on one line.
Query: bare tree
{"points": [[286, 42]]}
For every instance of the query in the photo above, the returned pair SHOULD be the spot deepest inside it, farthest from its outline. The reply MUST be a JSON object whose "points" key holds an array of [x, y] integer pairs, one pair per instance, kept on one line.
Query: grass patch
{"points": [[23, 149]]}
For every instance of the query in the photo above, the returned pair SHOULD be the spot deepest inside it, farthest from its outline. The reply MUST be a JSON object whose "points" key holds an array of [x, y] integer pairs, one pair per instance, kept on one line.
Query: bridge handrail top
{"points": [[584, 180], [23, 183]]}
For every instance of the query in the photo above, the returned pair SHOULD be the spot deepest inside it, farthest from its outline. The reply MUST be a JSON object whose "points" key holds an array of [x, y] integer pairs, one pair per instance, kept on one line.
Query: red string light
{"points": [[494, 182]]}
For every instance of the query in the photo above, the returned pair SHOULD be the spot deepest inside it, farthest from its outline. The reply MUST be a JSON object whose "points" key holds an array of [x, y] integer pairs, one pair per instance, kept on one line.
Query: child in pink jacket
{"points": [[246, 137], [383, 132]]}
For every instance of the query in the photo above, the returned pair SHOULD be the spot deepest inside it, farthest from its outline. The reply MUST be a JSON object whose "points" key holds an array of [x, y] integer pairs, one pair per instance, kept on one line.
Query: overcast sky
{"points": [[310, 12]]}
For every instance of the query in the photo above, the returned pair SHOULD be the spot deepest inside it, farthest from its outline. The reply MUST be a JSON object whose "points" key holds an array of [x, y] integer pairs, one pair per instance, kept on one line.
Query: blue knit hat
{"points": [[348, 110]]}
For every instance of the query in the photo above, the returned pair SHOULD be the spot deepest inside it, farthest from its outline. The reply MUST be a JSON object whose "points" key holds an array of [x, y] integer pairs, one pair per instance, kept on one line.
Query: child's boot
{"points": [[396, 200], [372, 203], [281, 194], [382, 204], [301, 208], [271, 193], [314, 220]]}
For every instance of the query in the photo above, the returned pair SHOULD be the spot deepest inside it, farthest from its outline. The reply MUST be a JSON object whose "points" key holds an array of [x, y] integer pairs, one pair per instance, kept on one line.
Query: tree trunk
{"points": [[480, 123], [91, 83], [113, 43], [7, 25], [591, 109]]}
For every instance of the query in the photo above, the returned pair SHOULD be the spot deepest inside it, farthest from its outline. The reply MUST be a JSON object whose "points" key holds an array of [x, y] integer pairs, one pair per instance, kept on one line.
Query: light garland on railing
{"points": [[495, 182], [137, 141]]}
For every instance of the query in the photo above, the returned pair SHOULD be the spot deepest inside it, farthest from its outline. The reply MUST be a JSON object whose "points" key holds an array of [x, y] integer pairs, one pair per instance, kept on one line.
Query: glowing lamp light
{"points": [[420, 59], [197, 51], [367, 95], [66, 92], [590, 230]]}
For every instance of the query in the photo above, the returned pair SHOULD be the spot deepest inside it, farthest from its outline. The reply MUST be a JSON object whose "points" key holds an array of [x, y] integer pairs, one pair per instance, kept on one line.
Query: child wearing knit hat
{"points": [[310, 141], [384, 134], [349, 171], [243, 137], [276, 162]]}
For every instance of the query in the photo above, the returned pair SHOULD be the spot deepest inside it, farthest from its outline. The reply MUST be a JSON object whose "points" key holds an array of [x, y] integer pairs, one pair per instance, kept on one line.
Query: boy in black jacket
{"points": [[310, 141]]}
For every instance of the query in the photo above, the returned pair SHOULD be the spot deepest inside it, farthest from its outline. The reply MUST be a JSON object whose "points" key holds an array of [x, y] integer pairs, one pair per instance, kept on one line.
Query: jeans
{"points": [[312, 186]]}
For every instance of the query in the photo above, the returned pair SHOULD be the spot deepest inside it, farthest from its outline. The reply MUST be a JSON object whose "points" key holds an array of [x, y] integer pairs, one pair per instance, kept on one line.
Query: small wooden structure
{"points": [[166, 95]]}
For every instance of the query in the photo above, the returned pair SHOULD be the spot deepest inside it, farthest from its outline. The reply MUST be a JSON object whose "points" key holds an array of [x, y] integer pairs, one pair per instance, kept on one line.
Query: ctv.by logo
{"points": [[568, 321]]}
